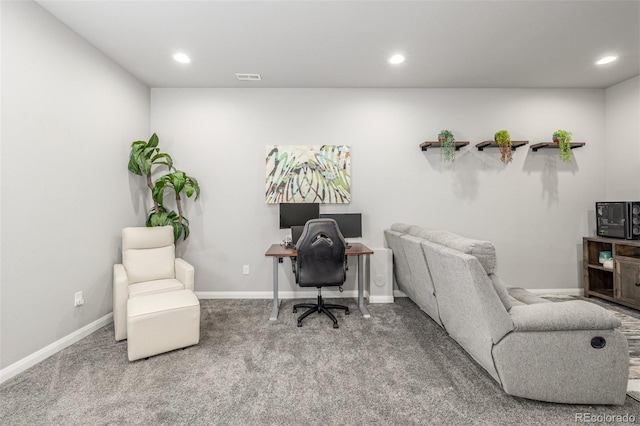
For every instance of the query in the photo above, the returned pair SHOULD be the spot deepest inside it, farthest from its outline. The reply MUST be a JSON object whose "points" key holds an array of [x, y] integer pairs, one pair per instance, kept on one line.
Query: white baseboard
{"points": [[302, 294], [399, 293], [234, 294], [348, 293], [44, 353], [559, 291], [538, 291], [381, 299]]}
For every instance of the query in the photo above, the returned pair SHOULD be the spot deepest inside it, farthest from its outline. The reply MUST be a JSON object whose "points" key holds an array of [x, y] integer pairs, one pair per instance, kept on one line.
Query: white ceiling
{"points": [[346, 43]]}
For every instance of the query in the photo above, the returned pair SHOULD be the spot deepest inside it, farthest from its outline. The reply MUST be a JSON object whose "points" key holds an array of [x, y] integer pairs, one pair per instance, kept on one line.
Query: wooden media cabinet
{"points": [[620, 284]]}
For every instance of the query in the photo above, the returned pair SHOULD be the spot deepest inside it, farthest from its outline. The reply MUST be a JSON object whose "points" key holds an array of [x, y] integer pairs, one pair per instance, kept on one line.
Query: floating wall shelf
{"points": [[437, 144], [493, 144], [540, 145]]}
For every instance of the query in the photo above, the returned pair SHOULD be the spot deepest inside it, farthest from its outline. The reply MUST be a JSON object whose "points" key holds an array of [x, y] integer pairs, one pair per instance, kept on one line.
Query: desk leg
{"points": [[363, 309], [276, 303]]}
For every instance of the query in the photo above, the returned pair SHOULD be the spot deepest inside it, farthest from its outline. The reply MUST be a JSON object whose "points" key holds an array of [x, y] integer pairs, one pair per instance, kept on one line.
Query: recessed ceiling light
{"points": [[396, 59], [606, 60], [182, 58]]}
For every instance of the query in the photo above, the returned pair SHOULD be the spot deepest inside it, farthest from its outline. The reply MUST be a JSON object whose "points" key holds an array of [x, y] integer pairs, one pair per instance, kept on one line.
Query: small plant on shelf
{"points": [[503, 139], [448, 145], [563, 139]]}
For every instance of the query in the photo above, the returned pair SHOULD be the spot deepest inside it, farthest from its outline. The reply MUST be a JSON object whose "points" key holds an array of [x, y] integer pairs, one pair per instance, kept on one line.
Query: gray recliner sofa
{"points": [[566, 352]]}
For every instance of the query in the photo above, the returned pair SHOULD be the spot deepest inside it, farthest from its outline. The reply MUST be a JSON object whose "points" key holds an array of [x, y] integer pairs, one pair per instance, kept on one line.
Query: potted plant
{"points": [[563, 139], [179, 182], [143, 156], [448, 145], [503, 139]]}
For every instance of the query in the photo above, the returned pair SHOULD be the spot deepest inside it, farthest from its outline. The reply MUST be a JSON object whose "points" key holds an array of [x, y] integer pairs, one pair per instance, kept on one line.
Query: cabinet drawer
{"points": [[628, 280]]}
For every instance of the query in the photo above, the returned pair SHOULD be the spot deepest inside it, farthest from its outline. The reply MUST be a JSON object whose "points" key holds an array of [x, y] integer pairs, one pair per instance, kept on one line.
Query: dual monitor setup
{"points": [[295, 215]]}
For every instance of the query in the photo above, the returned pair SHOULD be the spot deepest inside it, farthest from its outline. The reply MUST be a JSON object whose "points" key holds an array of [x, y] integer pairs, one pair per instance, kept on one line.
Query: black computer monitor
{"points": [[350, 224], [297, 214]]}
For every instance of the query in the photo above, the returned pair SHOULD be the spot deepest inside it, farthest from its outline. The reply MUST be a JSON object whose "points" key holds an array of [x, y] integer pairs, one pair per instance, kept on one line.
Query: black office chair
{"points": [[321, 262]]}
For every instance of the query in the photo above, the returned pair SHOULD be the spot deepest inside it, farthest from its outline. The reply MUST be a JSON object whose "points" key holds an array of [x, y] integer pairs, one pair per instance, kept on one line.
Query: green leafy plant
{"points": [[164, 217], [503, 139], [563, 138], [145, 155], [142, 159], [179, 182], [448, 145]]}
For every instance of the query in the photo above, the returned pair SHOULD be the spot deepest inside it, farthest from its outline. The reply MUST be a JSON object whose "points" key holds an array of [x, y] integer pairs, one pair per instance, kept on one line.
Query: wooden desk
{"points": [[278, 253]]}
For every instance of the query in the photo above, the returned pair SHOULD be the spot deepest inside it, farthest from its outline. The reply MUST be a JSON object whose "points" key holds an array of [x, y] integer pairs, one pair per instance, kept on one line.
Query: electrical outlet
{"points": [[79, 300], [245, 269]]}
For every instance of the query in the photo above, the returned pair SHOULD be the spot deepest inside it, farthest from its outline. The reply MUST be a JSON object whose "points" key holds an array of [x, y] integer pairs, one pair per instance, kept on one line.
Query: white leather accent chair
{"points": [[149, 267]]}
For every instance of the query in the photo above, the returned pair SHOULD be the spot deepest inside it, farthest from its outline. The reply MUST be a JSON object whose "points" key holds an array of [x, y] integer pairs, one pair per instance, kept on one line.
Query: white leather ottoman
{"points": [[162, 322]]}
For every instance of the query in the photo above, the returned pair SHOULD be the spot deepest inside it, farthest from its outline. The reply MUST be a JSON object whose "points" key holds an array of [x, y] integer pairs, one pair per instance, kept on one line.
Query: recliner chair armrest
{"points": [[120, 296], [562, 316], [185, 273]]}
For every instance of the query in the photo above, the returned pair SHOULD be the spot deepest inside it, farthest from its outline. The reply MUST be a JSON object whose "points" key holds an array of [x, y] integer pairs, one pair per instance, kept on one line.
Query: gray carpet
{"points": [[396, 368]]}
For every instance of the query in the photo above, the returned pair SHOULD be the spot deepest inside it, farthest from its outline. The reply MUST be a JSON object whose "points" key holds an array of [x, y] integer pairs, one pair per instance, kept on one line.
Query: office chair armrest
{"points": [[185, 273], [120, 296], [293, 264]]}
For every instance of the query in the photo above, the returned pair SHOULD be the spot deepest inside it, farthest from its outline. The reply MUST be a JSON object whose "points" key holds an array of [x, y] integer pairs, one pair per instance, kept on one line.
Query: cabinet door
{"points": [[628, 280]]}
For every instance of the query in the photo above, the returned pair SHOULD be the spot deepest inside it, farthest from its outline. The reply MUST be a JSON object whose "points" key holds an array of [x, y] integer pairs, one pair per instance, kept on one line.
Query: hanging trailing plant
{"points": [[503, 139], [143, 156], [563, 139], [448, 145]]}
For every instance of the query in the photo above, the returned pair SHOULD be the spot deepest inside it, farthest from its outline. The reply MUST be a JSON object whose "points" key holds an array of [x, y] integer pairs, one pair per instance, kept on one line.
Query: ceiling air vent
{"points": [[248, 77]]}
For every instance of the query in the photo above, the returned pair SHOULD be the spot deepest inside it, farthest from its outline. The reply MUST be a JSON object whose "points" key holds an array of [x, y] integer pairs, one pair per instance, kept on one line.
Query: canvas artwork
{"points": [[308, 174]]}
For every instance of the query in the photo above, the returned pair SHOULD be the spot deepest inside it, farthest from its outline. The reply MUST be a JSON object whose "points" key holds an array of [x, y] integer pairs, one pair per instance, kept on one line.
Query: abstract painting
{"points": [[308, 174]]}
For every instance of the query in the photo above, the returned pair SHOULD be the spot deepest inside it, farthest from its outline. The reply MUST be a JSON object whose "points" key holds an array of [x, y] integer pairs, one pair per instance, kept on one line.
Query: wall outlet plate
{"points": [[79, 300]]}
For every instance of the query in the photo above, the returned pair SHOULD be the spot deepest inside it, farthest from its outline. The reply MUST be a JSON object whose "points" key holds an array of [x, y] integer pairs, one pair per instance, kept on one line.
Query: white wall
{"points": [[535, 209], [69, 115], [623, 140]]}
